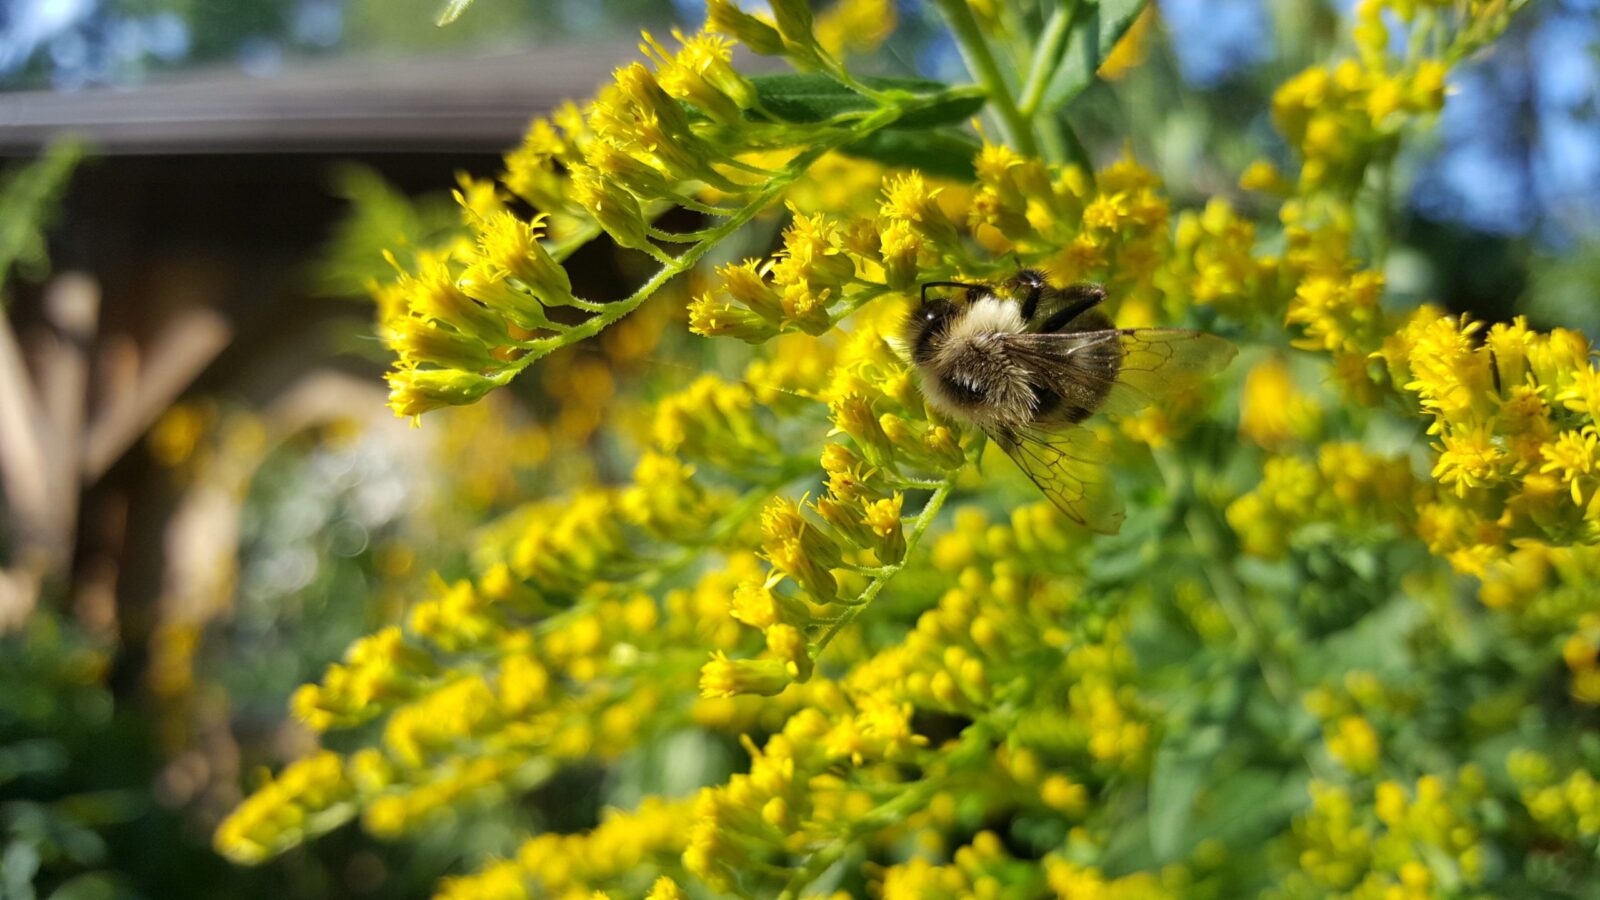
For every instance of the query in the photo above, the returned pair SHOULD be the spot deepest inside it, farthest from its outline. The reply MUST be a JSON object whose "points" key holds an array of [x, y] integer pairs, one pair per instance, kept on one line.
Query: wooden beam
{"points": [[176, 358], [23, 445], [72, 308]]}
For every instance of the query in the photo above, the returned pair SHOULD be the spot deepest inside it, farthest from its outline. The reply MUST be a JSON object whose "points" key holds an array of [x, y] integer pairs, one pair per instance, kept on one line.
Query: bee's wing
{"points": [[1064, 463], [1149, 364], [1155, 362]]}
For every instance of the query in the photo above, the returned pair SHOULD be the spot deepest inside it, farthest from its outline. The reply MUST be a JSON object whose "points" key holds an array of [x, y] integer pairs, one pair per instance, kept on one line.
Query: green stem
{"points": [[1052, 140], [975, 50], [974, 748], [887, 573], [1047, 57], [884, 815], [839, 73], [673, 267], [1382, 236]]}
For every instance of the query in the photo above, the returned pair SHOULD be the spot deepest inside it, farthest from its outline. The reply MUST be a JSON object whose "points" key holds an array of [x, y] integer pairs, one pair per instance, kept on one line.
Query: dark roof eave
{"points": [[456, 104]]}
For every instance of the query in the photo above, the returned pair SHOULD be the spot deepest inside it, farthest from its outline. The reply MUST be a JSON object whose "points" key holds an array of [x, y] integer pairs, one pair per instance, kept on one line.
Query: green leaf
{"points": [[1097, 29], [451, 12], [1249, 805], [945, 152], [804, 98], [29, 197], [88, 886], [1182, 765]]}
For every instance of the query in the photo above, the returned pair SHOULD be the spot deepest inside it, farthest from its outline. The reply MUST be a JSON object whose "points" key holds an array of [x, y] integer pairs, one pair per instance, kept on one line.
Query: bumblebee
{"points": [[1029, 362]]}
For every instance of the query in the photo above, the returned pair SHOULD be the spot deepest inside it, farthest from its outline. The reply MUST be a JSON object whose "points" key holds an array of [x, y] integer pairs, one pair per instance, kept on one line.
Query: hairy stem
{"points": [[886, 574], [886, 814], [673, 266]]}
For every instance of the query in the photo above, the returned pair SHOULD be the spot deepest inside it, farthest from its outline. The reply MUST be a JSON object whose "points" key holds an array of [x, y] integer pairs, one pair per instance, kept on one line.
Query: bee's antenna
{"points": [[929, 284]]}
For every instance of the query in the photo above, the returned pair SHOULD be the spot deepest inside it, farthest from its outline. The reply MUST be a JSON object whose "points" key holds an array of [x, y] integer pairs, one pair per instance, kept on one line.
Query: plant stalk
{"points": [[1014, 128], [1047, 58]]}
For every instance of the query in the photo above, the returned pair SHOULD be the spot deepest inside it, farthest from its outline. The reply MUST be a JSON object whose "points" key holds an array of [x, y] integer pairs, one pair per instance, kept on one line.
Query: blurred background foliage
{"points": [[117, 761]]}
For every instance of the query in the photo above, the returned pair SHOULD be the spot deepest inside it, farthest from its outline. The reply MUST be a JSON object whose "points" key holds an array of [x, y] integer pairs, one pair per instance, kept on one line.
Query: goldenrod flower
{"points": [[902, 679]]}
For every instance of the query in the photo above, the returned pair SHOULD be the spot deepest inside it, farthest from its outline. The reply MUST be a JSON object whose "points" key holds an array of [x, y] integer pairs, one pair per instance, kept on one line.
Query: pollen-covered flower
{"points": [[513, 246], [1572, 456]]}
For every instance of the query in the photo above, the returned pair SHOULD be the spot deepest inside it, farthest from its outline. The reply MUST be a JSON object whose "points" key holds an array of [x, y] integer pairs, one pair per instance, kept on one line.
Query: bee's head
{"points": [[927, 325], [1025, 282]]}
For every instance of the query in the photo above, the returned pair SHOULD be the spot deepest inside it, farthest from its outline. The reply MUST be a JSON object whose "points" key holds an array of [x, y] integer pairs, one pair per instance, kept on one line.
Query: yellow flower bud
{"points": [[852, 415], [413, 392], [613, 208], [712, 317], [787, 643], [723, 677], [725, 17]]}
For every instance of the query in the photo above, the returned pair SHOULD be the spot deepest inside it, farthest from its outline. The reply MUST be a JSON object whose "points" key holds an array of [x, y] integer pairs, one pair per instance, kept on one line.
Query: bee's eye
{"points": [[935, 312]]}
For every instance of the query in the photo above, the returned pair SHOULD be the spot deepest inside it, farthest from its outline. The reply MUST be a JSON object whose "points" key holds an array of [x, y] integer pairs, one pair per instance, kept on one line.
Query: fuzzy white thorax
{"points": [[985, 315], [969, 354]]}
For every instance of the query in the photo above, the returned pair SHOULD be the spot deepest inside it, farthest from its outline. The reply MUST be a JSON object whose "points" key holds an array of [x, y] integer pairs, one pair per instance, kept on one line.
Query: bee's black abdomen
{"points": [[1083, 396], [1072, 415], [963, 392], [1078, 391], [1046, 401], [1051, 406]]}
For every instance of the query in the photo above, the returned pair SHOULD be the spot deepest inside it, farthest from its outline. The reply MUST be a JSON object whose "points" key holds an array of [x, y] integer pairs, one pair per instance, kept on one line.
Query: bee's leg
{"points": [[1081, 298], [1030, 302]]}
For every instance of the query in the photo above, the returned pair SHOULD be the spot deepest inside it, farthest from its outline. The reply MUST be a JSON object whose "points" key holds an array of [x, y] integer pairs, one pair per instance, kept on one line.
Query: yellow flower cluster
{"points": [[1568, 808], [1216, 264], [838, 551], [307, 797], [925, 693], [1582, 654], [999, 620], [1070, 881], [1347, 487], [1346, 116], [977, 870], [1084, 725], [1516, 434], [788, 800], [824, 271], [1110, 228], [1273, 412], [468, 319], [1343, 119], [1411, 842], [624, 844], [1351, 713], [855, 26], [379, 667], [718, 421], [553, 641]]}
